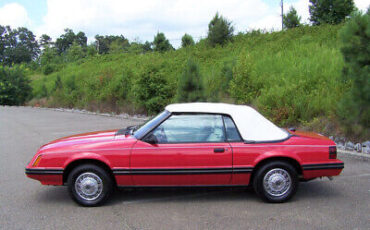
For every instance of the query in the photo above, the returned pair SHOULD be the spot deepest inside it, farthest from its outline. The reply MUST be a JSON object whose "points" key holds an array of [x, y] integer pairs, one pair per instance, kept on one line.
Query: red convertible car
{"points": [[192, 144]]}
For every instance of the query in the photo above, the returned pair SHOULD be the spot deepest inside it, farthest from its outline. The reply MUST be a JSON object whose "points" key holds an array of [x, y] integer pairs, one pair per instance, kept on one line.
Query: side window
{"points": [[188, 128], [232, 134]]}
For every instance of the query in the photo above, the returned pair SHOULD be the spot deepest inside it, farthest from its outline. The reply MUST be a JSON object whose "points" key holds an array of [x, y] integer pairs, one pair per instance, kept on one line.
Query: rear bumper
{"points": [[46, 176], [322, 170]]}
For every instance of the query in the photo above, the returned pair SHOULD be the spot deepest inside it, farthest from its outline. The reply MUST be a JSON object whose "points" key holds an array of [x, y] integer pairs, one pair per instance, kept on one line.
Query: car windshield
{"points": [[144, 128]]}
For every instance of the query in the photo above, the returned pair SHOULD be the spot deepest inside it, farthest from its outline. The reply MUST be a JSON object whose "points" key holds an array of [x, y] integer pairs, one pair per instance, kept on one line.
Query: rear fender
{"points": [[272, 154]]}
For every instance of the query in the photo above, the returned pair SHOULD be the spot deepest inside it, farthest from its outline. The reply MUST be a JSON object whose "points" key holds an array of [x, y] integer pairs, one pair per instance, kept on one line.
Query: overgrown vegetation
{"points": [[290, 76]]}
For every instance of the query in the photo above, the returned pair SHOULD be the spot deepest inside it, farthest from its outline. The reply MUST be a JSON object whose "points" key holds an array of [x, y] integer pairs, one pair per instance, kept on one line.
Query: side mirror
{"points": [[151, 139], [293, 129]]}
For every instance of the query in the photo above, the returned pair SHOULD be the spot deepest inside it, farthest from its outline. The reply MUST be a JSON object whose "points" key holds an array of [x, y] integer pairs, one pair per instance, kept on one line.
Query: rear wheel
{"points": [[276, 181], [89, 185]]}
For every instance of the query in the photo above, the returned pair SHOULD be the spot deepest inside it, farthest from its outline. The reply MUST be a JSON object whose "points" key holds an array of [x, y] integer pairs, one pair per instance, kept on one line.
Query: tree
{"points": [[330, 11], [66, 40], [118, 46], [190, 87], [161, 43], [147, 47], [81, 39], [291, 19], [14, 86], [187, 40], [2, 42], [354, 109], [104, 43], [17, 46], [45, 41], [220, 30]]}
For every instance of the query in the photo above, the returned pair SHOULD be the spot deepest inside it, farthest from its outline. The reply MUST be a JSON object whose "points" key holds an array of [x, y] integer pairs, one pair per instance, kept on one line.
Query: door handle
{"points": [[219, 150]]}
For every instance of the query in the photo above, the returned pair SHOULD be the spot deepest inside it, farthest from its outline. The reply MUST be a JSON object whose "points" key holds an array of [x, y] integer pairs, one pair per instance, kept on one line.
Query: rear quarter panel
{"points": [[303, 149]]}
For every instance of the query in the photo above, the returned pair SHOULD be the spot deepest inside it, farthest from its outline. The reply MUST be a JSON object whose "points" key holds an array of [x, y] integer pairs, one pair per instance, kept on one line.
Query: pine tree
{"points": [[220, 30], [291, 19], [190, 88]]}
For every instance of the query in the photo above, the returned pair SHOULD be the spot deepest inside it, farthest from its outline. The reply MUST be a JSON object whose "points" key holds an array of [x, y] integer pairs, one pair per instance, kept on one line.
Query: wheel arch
{"points": [[287, 159], [73, 164]]}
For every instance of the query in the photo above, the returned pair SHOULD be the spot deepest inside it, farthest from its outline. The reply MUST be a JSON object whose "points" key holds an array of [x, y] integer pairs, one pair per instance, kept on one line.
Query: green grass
{"points": [[291, 76]]}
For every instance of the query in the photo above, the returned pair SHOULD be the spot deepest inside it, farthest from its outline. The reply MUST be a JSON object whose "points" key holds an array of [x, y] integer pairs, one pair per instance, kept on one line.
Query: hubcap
{"points": [[277, 182], [89, 186]]}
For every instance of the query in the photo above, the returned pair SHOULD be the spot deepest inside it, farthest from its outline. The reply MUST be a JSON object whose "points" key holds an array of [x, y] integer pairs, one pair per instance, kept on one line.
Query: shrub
{"points": [[118, 88], [75, 52], [152, 90], [218, 83], [14, 86], [190, 87], [220, 30], [44, 91], [48, 69], [241, 88], [58, 83]]}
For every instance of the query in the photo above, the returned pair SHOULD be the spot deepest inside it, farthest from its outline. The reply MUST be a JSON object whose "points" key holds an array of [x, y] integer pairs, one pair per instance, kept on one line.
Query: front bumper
{"points": [[45, 175]]}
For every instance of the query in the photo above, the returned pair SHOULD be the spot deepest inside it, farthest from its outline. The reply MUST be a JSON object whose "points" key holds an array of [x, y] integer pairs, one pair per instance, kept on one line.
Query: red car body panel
{"points": [[137, 163]]}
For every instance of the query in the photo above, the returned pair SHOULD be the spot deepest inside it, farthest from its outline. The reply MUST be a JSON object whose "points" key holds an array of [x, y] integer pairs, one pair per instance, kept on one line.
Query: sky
{"points": [[140, 20]]}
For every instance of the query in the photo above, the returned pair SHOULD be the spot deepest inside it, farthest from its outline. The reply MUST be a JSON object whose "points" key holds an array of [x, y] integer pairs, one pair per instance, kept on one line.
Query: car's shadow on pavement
{"points": [[144, 195], [307, 190]]}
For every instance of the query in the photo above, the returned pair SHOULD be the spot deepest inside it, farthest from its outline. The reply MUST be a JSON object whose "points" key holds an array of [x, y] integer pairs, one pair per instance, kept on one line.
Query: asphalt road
{"points": [[343, 203]]}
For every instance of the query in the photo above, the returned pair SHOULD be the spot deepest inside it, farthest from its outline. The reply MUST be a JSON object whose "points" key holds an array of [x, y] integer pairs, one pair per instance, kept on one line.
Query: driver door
{"points": [[190, 150]]}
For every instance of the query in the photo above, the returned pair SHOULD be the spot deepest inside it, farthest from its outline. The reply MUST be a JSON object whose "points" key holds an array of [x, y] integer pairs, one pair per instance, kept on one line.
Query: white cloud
{"points": [[362, 4], [302, 9], [144, 18], [15, 15]]}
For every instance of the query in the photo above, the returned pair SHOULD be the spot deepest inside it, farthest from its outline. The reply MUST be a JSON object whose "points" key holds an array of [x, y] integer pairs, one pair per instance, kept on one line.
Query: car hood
{"points": [[91, 140]]}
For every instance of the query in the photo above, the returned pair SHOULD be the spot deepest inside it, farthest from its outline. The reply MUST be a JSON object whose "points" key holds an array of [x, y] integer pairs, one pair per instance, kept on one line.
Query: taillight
{"points": [[332, 152]]}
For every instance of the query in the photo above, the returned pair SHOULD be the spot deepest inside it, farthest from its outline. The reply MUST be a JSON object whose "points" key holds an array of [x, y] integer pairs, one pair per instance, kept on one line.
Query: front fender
{"points": [[87, 156]]}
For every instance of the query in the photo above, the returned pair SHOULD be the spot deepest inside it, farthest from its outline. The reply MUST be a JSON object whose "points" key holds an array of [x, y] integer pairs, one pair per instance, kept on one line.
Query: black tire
{"points": [[95, 180], [286, 179]]}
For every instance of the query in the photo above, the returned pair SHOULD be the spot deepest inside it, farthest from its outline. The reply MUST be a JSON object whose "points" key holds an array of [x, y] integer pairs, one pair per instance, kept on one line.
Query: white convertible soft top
{"points": [[251, 124]]}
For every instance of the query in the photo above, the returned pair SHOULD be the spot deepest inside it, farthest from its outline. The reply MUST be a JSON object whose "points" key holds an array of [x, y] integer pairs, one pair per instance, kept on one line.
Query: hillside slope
{"points": [[291, 76]]}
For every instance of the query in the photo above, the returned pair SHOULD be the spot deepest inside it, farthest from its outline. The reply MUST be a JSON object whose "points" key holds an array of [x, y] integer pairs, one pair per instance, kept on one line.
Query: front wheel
{"points": [[89, 185], [276, 182]]}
